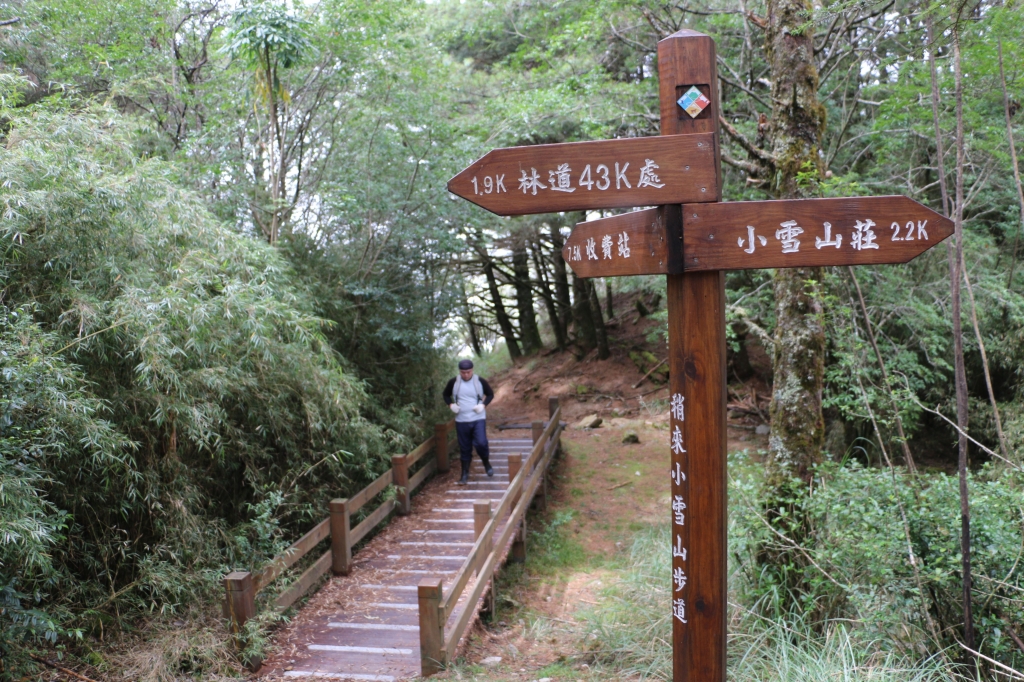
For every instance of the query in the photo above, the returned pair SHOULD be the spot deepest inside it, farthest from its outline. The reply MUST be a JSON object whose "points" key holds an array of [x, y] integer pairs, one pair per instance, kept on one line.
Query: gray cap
{"points": [[465, 364]]}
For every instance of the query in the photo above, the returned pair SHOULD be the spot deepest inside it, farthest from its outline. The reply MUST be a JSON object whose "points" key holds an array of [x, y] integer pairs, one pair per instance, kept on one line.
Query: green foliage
{"points": [[859, 615], [170, 406], [855, 563]]}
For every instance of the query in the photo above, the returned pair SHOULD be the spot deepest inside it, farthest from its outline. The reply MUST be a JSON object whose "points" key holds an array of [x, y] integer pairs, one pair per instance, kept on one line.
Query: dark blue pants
{"points": [[473, 434]]}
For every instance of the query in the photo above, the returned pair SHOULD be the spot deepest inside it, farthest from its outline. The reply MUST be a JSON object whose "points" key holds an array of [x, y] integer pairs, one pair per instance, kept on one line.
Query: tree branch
{"points": [[749, 146]]}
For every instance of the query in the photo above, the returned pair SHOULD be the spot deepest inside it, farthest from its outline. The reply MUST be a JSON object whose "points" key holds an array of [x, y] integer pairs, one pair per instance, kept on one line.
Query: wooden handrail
{"points": [[371, 491], [465, 571], [485, 550], [290, 556], [451, 641], [241, 587]]}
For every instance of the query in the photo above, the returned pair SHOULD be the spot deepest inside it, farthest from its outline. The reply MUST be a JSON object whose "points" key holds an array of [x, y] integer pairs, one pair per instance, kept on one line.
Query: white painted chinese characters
{"points": [[862, 237], [677, 412], [607, 242], [560, 179]]}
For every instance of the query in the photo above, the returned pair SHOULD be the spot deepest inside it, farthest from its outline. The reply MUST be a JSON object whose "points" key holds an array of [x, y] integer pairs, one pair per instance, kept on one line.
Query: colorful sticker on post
{"points": [[693, 102]]}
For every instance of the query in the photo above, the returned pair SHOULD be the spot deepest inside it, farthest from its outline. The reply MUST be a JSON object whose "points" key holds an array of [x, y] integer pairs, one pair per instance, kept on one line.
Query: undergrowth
{"points": [[859, 614]]}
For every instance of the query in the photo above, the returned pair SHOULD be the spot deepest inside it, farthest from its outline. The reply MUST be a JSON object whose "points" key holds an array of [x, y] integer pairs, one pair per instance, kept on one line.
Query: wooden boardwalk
{"points": [[365, 626]]}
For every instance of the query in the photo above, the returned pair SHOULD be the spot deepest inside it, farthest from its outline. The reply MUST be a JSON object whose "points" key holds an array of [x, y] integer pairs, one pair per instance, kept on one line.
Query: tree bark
{"points": [[609, 309], [956, 260], [582, 317], [499, 312], [798, 120], [560, 277], [529, 333], [603, 352], [546, 294], [474, 335], [954, 253]]}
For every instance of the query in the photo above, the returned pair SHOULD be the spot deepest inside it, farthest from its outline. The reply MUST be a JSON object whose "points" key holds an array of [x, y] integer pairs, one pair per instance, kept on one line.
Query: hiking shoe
{"points": [[490, 470], [464, 480]]}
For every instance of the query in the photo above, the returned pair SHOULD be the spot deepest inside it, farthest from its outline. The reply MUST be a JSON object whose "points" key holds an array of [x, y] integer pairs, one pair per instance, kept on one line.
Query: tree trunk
{"points": [[529, 334], [504, 323], [955, 274], [609, 309], [561, 278], [474, 335], [954, 253], [546, 294], [798, 120], [603, 352], [583, 319]]}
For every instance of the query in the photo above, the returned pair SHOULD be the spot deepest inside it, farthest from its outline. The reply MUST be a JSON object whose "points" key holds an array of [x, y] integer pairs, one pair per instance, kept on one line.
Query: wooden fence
{"points": [[437, 647], [241, 587]]}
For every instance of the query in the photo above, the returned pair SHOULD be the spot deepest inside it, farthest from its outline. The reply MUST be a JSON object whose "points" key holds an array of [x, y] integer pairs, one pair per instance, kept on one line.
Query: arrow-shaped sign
{"points": [[757, 234], [641, 171]]}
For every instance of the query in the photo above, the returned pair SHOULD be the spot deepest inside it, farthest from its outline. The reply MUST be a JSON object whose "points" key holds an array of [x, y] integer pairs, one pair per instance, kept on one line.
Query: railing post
{"points": [[519, 543], [432, 650], [400, 477], [538, 431], [541, 501], [341, 551], [240, 599], [515, 463], [441, 447], [481, 515], [552, 406]]}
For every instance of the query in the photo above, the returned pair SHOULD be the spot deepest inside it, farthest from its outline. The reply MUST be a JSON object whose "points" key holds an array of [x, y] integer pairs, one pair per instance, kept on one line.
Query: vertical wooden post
{"points": [[240, 598], [552, 406], [400, 477], [341, 551], [542, 498], [537, 430], [441, 447], [696, 314], [515, 464], [519, 543], [432, 651], [481, 515]]}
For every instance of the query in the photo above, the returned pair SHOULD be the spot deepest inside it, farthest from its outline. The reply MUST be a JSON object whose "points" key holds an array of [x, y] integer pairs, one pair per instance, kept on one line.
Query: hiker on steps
{"points": [[466, 395]]}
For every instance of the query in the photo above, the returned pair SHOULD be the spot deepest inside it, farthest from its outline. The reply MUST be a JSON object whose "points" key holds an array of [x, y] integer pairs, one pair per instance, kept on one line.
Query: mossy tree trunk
{"points": [[797, 124]]}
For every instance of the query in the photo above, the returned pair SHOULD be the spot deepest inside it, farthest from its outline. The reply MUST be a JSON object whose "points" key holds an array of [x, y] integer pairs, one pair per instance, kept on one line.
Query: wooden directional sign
{"points": [[756, 234], [636, 243], [809, 232], [547, 178], [691, 238]]}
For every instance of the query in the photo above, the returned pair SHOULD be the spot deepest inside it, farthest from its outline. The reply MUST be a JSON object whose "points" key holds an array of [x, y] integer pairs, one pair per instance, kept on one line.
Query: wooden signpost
{"points": [[755, 234], [692, 238]]}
